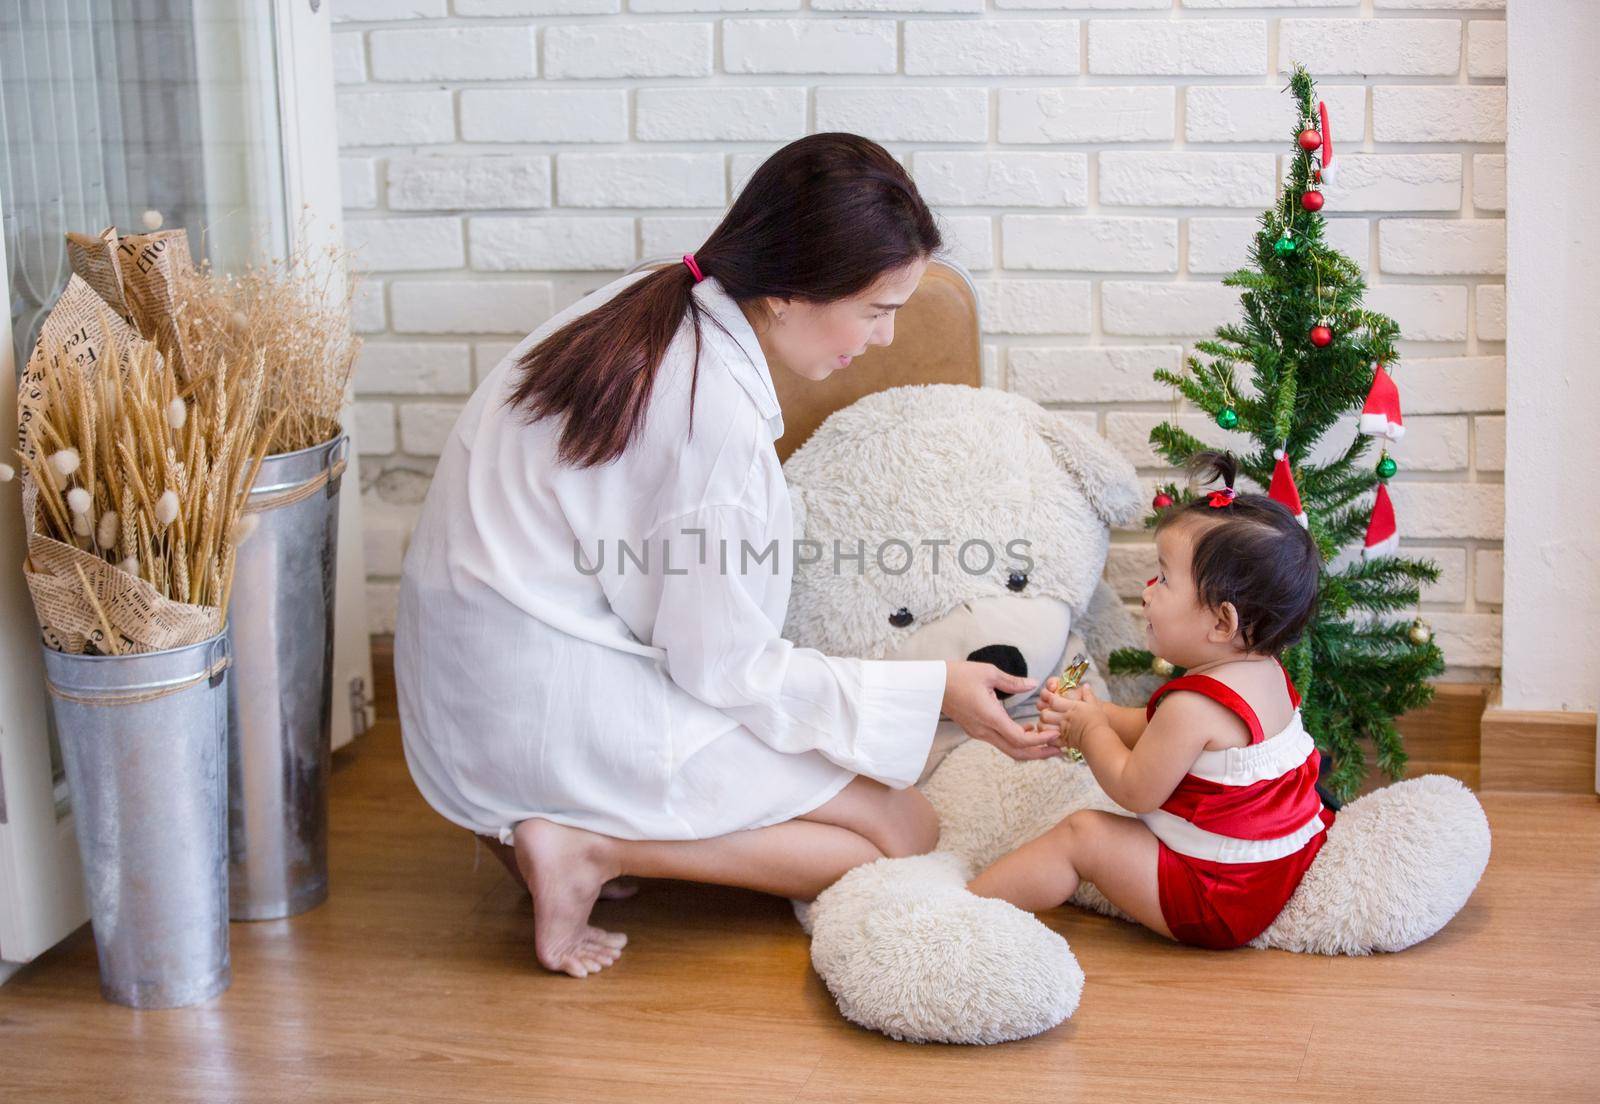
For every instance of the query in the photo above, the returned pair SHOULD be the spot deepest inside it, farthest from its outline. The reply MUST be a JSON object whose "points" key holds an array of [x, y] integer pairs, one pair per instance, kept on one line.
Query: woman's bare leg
{"points": [[566, 867], [897, 822], [1116, 853]]}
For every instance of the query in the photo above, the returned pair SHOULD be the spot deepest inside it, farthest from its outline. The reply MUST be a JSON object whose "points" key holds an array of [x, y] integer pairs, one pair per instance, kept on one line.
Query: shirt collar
{"points": [[747, 363]]}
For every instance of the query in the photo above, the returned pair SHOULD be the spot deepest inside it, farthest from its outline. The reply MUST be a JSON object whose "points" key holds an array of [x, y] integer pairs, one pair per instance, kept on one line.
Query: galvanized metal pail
{"points": [[144, 739], [280, 712]]}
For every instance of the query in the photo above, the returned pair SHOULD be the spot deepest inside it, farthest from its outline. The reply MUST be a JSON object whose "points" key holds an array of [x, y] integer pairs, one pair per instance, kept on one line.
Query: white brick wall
{"points": [[808, 46], [1099, 165]]}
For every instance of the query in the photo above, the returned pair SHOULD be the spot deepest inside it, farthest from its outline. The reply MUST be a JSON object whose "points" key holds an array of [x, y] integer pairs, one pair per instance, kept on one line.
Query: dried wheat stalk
{"points": [[295, 315], [108, 467]]}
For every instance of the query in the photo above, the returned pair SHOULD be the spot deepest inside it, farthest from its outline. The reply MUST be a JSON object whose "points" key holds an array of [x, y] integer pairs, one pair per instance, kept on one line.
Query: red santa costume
{"points": [[1241, 829]]}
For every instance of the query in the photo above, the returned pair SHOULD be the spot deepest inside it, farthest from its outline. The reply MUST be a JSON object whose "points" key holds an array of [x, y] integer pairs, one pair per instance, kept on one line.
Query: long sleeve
{"points": [[716, 627]]}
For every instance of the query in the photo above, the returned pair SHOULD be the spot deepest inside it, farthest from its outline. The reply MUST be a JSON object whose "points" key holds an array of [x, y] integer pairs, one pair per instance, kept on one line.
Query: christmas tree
{"points": [[1318, 366]]}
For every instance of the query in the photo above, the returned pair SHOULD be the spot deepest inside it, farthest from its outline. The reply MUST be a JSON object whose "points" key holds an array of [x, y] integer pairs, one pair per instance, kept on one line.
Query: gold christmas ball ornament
{"points": [[1162, 667], [1420, 632]]}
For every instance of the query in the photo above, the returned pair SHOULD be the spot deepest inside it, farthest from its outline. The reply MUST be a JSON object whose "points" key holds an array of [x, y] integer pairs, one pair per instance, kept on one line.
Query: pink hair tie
{"points": [[1222, 498], [688, 259]]}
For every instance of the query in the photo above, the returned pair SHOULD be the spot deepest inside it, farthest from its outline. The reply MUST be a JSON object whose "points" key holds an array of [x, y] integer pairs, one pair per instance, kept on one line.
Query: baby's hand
{"points": [[1073, 713], [1052, 697]]}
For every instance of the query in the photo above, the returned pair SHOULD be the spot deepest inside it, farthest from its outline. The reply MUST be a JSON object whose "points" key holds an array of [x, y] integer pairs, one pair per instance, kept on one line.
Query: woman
{"points": [[609, 713]]}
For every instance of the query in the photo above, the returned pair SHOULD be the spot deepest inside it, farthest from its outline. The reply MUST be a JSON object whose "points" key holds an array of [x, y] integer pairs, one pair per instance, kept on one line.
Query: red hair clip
{"points": [[1222, 498]]}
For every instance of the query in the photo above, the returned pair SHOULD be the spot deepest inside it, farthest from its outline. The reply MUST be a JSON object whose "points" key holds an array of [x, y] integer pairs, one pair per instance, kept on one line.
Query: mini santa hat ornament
{"points": [[1283, 489], [1380, 417], [1383, 539], [1327, 172]]}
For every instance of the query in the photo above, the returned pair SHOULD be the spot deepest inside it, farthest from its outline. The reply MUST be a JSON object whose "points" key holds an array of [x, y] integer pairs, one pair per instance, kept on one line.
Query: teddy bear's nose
{"points": [[1007, 657]]}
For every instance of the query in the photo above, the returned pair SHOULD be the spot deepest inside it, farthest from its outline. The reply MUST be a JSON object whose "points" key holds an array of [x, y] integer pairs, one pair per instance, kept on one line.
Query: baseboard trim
{"points": [[1441, 737], [1537, 751]]}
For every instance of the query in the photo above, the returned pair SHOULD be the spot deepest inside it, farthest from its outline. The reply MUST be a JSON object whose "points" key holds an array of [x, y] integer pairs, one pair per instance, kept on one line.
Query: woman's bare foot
{"points": [[565, 869], [617, 889]]}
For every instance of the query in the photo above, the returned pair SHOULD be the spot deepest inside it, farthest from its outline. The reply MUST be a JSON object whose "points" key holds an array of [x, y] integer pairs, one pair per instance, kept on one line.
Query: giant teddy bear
{"points": [[1023, 499]]}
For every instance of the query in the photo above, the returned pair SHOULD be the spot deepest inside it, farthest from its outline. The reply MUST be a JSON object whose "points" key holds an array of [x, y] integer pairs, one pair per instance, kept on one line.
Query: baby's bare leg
{"points": [[1117, 853]]}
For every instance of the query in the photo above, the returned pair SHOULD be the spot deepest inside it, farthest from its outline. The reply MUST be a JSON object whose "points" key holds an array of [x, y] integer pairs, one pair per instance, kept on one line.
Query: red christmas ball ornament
{"points": [[1321, 336], [1310, 139], [1161, 501], [1311, 201]]}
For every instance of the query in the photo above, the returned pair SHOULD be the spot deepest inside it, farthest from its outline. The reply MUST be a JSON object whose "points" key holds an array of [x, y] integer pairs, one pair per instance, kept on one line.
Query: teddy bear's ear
{"points": [[1104, 475]]}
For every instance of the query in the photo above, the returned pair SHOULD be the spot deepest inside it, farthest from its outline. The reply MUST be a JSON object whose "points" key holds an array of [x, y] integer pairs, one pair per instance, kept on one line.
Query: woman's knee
{"points": [[896, 822], [911, 826]]}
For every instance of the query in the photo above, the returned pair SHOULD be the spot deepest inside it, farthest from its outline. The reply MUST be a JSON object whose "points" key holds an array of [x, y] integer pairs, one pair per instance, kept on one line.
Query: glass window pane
{"points": [[120, 112], [134, 113]]}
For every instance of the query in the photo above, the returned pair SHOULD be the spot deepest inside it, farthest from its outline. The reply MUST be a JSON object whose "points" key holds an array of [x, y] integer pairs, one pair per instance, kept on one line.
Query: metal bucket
{"points": [[280, 701], [144, 739]]}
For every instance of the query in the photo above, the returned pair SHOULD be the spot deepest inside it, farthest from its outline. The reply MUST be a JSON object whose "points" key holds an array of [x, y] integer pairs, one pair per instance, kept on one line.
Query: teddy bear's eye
{"points": [[1016, 581], [900, 618]]}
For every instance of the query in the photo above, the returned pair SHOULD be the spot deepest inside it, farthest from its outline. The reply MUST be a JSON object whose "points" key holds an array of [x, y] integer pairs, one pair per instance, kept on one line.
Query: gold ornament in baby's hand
{"points": [[1071, 675]]}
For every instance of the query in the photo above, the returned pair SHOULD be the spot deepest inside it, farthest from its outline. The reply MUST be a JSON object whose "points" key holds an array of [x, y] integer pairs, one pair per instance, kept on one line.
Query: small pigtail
{"points": [[1214, 465]]}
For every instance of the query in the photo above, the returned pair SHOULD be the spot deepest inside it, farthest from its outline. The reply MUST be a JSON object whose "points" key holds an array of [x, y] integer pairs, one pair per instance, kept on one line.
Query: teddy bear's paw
{"points": [[989, 803], [952, 968], [1397, 865], [835, 918]]}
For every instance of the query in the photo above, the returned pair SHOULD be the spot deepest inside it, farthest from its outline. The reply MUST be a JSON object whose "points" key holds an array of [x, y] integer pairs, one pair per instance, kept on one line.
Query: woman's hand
{"points": [[1072, 713], [970, 701]]}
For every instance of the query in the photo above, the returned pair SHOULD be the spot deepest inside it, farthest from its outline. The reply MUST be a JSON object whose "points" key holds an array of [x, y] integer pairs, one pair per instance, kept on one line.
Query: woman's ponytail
{"points": [[596, 372], [821, 220]]}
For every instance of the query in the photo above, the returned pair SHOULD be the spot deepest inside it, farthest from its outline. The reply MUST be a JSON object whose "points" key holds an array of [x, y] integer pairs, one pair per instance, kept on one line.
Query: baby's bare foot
{"points": [[565, 869]]}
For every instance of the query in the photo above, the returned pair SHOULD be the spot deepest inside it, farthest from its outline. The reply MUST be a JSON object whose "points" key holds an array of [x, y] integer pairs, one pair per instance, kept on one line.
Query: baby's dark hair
{"points": [[1252, 553]]}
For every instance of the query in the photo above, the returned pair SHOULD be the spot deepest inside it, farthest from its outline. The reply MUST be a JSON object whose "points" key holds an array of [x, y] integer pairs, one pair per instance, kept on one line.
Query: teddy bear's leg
{"points": [[989, 804], [1397, 865], [906, 950]]}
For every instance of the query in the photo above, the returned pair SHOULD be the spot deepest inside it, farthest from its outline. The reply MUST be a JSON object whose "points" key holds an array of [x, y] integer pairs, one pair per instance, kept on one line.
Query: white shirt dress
{"points": [[644, 692]]}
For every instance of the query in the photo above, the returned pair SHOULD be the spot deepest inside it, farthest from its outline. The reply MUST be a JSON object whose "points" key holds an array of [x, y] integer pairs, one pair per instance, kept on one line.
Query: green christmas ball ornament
{"points": [[1228, 417], [1285, 244], [1387, 467]]}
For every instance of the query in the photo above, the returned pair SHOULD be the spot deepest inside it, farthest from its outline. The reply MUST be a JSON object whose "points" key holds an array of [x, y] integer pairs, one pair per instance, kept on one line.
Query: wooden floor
{"points": [[416, 982]]}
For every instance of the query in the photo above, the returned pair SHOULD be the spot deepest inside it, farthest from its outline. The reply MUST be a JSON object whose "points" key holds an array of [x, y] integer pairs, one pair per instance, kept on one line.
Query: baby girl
{"points": [[1218, 767]]}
